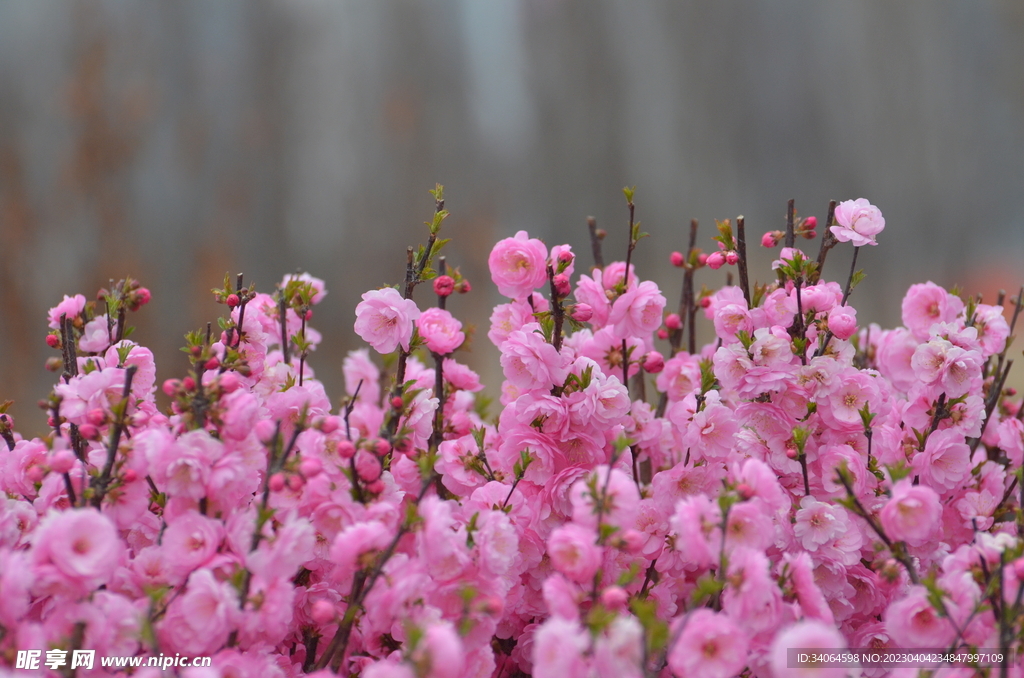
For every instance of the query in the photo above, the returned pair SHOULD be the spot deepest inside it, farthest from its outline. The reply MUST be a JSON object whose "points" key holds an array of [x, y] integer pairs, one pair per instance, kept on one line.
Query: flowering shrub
{"points": [[803, 481]]}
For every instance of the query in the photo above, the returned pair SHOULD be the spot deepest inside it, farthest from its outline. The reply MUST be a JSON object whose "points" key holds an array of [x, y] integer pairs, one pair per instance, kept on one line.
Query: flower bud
{"points": [[265, 430], [323, 612], [96, 417], [368, 467], [188, 383], [745, 491], [811, 222], [310, 467], [654, 362], [296, 482], [715, 260], [232, 300], [633, 541], [397, 403], [346, 449], [768, 240], [791, 453], [562, 287], [702, 258], [614, 598], [52, 341], [677, 259], [62, 461], [381, 447], [212, 364], [731, 257], [35, 473], [464, 287], [565, 257], [330, 425], [130, 476], [662, 333], [309, 314], [673, 321], [376, 487], [229, 382], [171, 387], [444, 285], [276, 482], [582, 313]]}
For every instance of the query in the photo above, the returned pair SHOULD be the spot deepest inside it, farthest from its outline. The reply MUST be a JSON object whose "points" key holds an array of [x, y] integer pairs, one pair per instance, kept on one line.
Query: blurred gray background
{"points": [[177, 141]]}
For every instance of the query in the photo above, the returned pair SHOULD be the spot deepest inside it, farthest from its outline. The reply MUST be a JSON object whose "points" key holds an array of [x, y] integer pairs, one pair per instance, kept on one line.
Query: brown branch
{"points": [[595, 242]]}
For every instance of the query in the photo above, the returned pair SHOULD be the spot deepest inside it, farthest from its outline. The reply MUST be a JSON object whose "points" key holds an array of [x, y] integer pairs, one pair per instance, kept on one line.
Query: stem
{"points": [[5, 432], [741, 251], [632, 245], [990, 406], [790, 233], [899, 554], [282, 312], [67, 346], [302, 355], [828, 241], [438, 433], [115, 439], [846, 295], [595, 242], [241, 311], [556, 310]]}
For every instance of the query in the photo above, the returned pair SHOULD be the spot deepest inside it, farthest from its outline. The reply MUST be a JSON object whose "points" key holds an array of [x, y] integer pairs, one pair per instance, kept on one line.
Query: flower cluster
{"points": [[802, 481]]}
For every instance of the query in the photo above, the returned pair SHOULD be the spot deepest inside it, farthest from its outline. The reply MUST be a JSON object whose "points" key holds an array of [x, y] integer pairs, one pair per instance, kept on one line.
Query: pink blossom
{"points": [[199, 621], [945, 461], [319, 290], [531, 363], [460, 376], [558, 647], [912, 512], [680, 377], [912, 622], [72, 307], [75, 550], [591, 293], [926, 304], [817, 523], [710, 646], [858, 222], [361, 373], [697, 524], [96, 335], [508, 318], [618, 653], [189, 542], [574, 552], [812, 635], [440, 330], [518, 265], [384, 319], [637, 312], [842, 321]]}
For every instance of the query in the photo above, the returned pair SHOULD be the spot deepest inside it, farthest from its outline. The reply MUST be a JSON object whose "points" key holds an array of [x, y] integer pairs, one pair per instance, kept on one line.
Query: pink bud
{"points": [[346, 449], [745, 491], [731, 257], [791, 453], [35, 473], [229, 382], [397, 403], [562, 287], [677, 259], [212, 364], [130, 476], [265, 429], [62, 461], [444, 285], [810, 234], [1018, 568], [171, 387], [464, 287], [367, 466], [330, 425], [705, 302], [702, 258], [310, 467], [295, 483], [565, 257], [309, 314], [662, 333], [381, 447], [232, 300], [87, 431], [673, 321], [633, 541], [376, 487], [52, 341], [322, 612], [716, 260], [582, 313], [614, 598], [96, 417], [188, 383], [811, 222], [768, 240], [142, 296], [654, 362], [276, 482]]}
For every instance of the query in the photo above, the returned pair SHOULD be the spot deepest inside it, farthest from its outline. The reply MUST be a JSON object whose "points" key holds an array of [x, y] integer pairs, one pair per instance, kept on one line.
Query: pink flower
{"points": [[817, 523], [697, 523], [76, 550], [926, 304], [189, 542], [460, 376], [842, 321], [949, 367], [95, 335], [384, 319], [812, 635], [199, 621], [529, 362], [710, 646], [912, 621], [574, 552], [912, 513], [518, 265], [859, 222], [70, 306], [440, 330], [945, 461], [506, 319], [361, 373], [558, 647], [637, 312]]}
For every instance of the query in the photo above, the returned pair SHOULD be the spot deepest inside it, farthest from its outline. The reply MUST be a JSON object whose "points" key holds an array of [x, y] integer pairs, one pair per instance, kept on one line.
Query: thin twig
{"points": [[741, 251], [115, 438], [790, 233], [595, 242]]}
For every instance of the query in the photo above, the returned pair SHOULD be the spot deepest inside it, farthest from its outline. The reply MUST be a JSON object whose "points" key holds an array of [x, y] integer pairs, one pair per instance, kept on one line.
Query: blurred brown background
{"points": [[177, 141]]}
